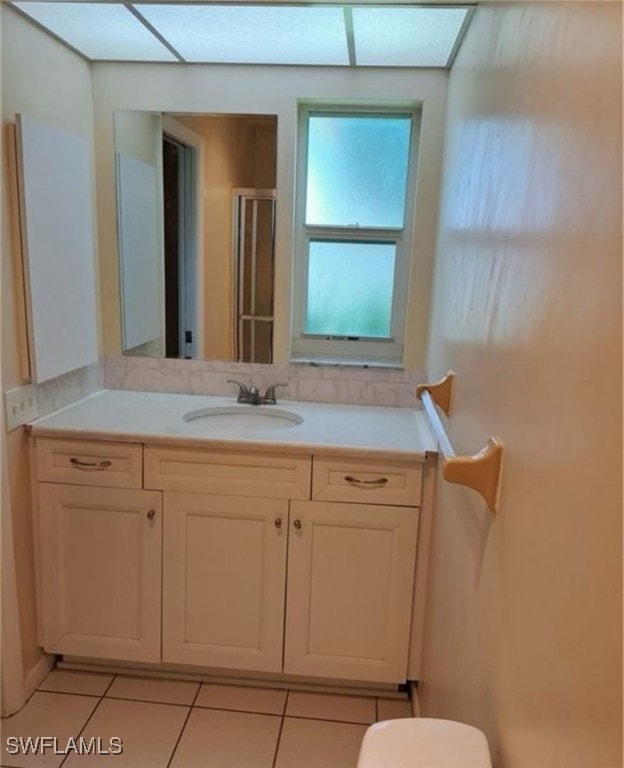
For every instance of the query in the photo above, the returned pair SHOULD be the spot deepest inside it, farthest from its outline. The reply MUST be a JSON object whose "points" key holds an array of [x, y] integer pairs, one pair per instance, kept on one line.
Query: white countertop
{"points": [[157, 418]]}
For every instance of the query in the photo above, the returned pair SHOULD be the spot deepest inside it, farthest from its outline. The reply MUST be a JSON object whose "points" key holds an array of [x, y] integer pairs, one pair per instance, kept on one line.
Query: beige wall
{"points": [[524, 613], [43, 79], [271, 91]]}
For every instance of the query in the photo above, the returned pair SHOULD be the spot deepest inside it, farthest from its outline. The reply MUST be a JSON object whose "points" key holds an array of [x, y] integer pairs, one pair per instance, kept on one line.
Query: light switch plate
{"points": [[20, 405]]}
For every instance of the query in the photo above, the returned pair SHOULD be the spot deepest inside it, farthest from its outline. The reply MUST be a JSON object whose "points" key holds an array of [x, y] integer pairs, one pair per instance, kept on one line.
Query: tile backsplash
{"points": [[323, 383], [67, 389]]}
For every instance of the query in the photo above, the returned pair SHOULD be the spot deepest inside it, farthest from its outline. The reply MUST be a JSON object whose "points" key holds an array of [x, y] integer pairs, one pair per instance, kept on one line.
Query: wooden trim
{"points": [[38, 673]]}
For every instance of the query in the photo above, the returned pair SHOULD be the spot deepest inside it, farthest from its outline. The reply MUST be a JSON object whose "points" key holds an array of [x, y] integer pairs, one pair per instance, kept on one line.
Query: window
{"points": [[355, 206]]}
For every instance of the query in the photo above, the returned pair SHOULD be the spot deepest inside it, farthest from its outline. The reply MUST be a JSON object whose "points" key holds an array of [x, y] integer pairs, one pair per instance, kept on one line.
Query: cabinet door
{"points": [[100, 554], [350, 580], [224, 571]]}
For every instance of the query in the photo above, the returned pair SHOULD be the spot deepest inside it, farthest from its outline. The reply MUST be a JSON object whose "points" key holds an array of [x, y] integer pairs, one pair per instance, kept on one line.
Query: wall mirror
{"points": [[196, 232]]}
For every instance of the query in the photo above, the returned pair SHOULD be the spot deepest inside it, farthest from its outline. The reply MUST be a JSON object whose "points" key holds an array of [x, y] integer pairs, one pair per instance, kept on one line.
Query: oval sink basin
{"points": [[242, 417]]}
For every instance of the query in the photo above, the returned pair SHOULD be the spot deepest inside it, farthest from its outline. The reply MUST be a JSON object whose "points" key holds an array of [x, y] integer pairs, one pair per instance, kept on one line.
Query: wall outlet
{"points": [[20, 405]]}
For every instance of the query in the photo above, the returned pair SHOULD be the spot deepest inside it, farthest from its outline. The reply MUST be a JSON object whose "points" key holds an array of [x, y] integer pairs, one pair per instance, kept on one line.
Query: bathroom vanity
{"points": [[230, 542]]}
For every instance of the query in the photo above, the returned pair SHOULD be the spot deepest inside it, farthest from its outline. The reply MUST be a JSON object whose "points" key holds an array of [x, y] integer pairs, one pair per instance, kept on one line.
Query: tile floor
{"points": [[173, 724]]}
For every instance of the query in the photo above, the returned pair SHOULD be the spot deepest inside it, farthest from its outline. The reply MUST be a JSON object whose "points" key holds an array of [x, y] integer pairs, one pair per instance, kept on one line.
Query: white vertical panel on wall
{"points": [[57, 224], [140, 256]]}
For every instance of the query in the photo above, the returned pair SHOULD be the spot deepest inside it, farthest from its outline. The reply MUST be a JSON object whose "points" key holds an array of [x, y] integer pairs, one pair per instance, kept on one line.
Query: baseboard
{"points": [[260, 680], [38, 673]]}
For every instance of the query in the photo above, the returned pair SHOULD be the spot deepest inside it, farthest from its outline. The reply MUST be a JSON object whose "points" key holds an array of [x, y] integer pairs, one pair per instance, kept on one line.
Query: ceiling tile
{"points": [[252, 34], [101, 31], [406, 37]]}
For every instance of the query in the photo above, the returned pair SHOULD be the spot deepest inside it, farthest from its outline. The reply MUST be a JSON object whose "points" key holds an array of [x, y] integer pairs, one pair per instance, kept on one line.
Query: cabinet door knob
{"points": [[297, 524], [278, 522], [151, 514]]}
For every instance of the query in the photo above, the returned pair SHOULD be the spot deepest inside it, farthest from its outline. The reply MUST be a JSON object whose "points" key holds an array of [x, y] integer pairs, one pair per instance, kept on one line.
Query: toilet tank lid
{"points": [[423, 742]]}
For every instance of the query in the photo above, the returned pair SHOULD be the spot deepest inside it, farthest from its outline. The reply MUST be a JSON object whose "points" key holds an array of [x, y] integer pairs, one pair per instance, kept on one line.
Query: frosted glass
{"points": [[252, 34], [101, 31], [350, 288], [406, 37], [357, 170]]}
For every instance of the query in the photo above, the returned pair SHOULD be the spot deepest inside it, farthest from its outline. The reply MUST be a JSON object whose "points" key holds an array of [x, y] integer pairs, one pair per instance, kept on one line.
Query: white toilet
{"points": [[423, 742]]}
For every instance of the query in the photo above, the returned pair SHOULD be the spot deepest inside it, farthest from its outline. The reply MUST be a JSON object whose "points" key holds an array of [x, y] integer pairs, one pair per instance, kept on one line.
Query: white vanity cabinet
{"points": [[99, 552], [269, 561]]}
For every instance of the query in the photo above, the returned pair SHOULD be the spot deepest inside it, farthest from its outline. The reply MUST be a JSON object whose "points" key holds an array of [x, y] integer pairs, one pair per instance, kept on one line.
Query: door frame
{"points": [[191, 233]]}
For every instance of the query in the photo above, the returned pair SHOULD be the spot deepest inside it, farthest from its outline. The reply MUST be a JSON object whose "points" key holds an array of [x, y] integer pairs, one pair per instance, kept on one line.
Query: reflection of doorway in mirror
{"points": [[180, 246], [253, 269]]}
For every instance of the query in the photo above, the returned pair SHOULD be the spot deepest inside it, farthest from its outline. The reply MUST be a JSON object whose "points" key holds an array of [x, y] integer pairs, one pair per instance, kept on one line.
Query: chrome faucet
{"points": [[251, 395]]}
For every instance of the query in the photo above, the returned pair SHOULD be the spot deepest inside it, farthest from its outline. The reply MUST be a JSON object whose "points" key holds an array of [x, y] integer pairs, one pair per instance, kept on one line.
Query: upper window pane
{"points": [[357, 170]]}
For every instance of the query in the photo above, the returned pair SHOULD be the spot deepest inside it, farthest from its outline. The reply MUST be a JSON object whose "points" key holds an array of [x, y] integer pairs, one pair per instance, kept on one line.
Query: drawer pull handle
{"points": [[366, 483], [151, 514], [297, 524], [90, 466], [278, 522]]}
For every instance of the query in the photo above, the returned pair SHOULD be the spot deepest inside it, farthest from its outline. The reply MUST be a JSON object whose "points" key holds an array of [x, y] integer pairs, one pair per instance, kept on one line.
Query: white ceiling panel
{"points": [[406, 37], [246, 32], [101, 31], [252, 34]]}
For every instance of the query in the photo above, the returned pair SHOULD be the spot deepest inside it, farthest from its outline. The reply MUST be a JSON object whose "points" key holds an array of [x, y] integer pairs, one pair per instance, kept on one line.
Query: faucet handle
{"points": [[243, 392], [269, 395]]}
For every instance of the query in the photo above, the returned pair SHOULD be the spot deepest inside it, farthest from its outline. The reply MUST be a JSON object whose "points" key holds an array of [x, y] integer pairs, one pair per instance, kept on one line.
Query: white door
{"points": [[100, 551], [350, 580], [224, 571]]}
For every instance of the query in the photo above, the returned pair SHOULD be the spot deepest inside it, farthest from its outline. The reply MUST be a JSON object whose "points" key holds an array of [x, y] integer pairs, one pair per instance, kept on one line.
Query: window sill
{"points": [[328, 362]]}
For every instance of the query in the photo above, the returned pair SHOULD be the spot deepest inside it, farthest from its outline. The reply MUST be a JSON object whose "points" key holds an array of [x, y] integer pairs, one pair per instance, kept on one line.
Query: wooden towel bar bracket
{"points": [[482, 471]]}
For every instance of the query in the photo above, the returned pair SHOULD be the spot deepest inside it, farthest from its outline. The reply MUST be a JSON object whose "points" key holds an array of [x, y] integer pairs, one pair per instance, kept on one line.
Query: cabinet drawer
{"points": [[366, 482], [268, 475], [113, 465]]}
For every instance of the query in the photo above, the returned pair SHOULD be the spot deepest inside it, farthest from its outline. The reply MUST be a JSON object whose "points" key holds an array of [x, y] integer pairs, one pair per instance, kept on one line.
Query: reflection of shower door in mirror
{"points": [[180, 234], [254, 244]]}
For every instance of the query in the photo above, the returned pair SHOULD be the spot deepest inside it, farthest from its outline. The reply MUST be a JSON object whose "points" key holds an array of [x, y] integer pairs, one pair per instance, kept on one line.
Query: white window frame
{"points": [[340, 349]]}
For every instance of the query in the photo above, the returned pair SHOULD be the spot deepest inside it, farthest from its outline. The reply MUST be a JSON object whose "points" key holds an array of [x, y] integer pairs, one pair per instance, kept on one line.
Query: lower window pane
{"points": [[350, 288]]}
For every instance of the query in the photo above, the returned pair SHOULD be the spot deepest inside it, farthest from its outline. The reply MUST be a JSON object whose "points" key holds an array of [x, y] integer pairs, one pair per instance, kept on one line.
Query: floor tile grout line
{"points": [[113, 675], [188, 714], [281, 728], [328, 720], [283, 713], [88, 720], [109, 686], [150, 701], [72, 693], [277, 742], [193, 704], [241, 711]]}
